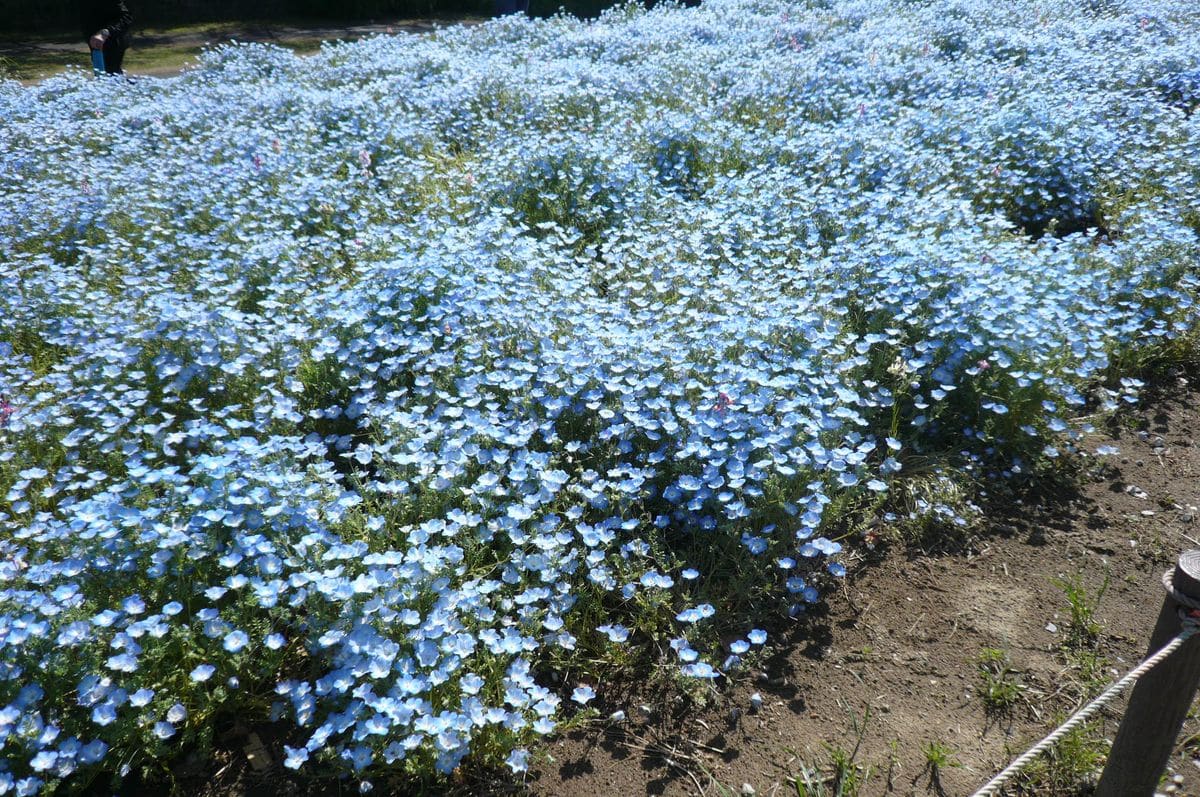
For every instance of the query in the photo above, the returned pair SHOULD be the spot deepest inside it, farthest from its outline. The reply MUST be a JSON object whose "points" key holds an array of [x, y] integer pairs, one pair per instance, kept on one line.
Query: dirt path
{"points": [[893, 676], [162, 52]]}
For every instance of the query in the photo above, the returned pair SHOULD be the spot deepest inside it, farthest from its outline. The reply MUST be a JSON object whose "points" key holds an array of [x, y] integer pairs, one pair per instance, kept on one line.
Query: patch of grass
{"points": [[999, 686], [840, 775], [938, 758], [1083, 630], [1076, 759]]}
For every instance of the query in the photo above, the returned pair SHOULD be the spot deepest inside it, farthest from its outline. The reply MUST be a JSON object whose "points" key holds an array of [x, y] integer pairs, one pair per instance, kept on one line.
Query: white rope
{"points": [[1083, 715], [1182, 599]]}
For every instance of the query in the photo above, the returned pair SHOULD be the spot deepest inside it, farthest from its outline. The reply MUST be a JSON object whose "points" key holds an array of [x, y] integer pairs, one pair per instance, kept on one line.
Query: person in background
{"points": [[106, 26], [505, 7]]}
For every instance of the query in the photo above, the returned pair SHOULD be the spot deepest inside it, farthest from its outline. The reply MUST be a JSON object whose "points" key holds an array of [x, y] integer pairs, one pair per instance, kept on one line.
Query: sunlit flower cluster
{"points": [[358, 392]]}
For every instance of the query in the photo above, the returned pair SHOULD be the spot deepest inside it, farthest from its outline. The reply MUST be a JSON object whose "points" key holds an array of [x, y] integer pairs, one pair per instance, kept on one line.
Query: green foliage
{"points": [[938, 756], [999, 686], [1078, 756], [841, 775], [1083, 629]]}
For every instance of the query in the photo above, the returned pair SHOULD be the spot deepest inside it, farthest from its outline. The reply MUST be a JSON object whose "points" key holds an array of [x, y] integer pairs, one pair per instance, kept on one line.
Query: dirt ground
{"points": [[896, 662]]}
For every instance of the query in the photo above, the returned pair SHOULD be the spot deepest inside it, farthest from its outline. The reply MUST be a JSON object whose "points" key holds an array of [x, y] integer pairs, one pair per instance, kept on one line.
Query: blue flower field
{"points": [[406, 394]]}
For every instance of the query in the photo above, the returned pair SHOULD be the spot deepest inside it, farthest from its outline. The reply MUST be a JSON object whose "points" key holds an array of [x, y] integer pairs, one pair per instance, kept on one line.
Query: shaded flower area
{"points": [[364, 393]]}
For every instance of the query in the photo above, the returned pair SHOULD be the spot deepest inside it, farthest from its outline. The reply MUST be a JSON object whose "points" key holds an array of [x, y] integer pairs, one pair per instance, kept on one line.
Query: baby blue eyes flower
{"points": [[757, 636], [235, 641], [123, 662], [699, 669], [104, 714], [27, 787], [43, 761], [177, 713], [836, 569], [106, 618], [141, 697], [696, 614], [202, 672], [164, 730], [294, 757], [690, 574], [739, 646], [173, 608], [827, 547], [1107, 450], [274, 641], [93, 751], [615, 632], [518, 760], [583, 694]]}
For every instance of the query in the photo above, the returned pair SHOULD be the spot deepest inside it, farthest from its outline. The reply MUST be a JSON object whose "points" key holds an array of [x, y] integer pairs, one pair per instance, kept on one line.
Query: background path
{"points": [[162, 52]]}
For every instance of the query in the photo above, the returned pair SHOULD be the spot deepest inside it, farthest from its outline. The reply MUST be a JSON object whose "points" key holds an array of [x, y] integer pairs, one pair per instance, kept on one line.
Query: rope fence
{"points": [[1187, 610]]}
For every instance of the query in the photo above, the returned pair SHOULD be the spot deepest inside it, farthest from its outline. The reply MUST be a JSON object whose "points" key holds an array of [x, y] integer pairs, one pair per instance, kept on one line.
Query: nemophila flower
{"points": [[518, 760], [696, 613], [123, 662], [26, 787], [294, 757], [583, 694], [235, 641], [699, 669], [615, 632], [141, 697], [202, 672], [104, 714], [92, 752], [43, 761]]}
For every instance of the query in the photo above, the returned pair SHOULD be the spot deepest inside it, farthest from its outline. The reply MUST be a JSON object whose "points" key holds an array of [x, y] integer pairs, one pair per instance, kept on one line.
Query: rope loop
{"points": [[1182, 599]]}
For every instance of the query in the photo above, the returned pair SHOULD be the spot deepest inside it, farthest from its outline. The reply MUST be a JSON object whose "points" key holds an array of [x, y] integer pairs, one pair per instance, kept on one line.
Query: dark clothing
{"points": [[114, 54], [97, 15], [113, 16], [505, 7]]}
